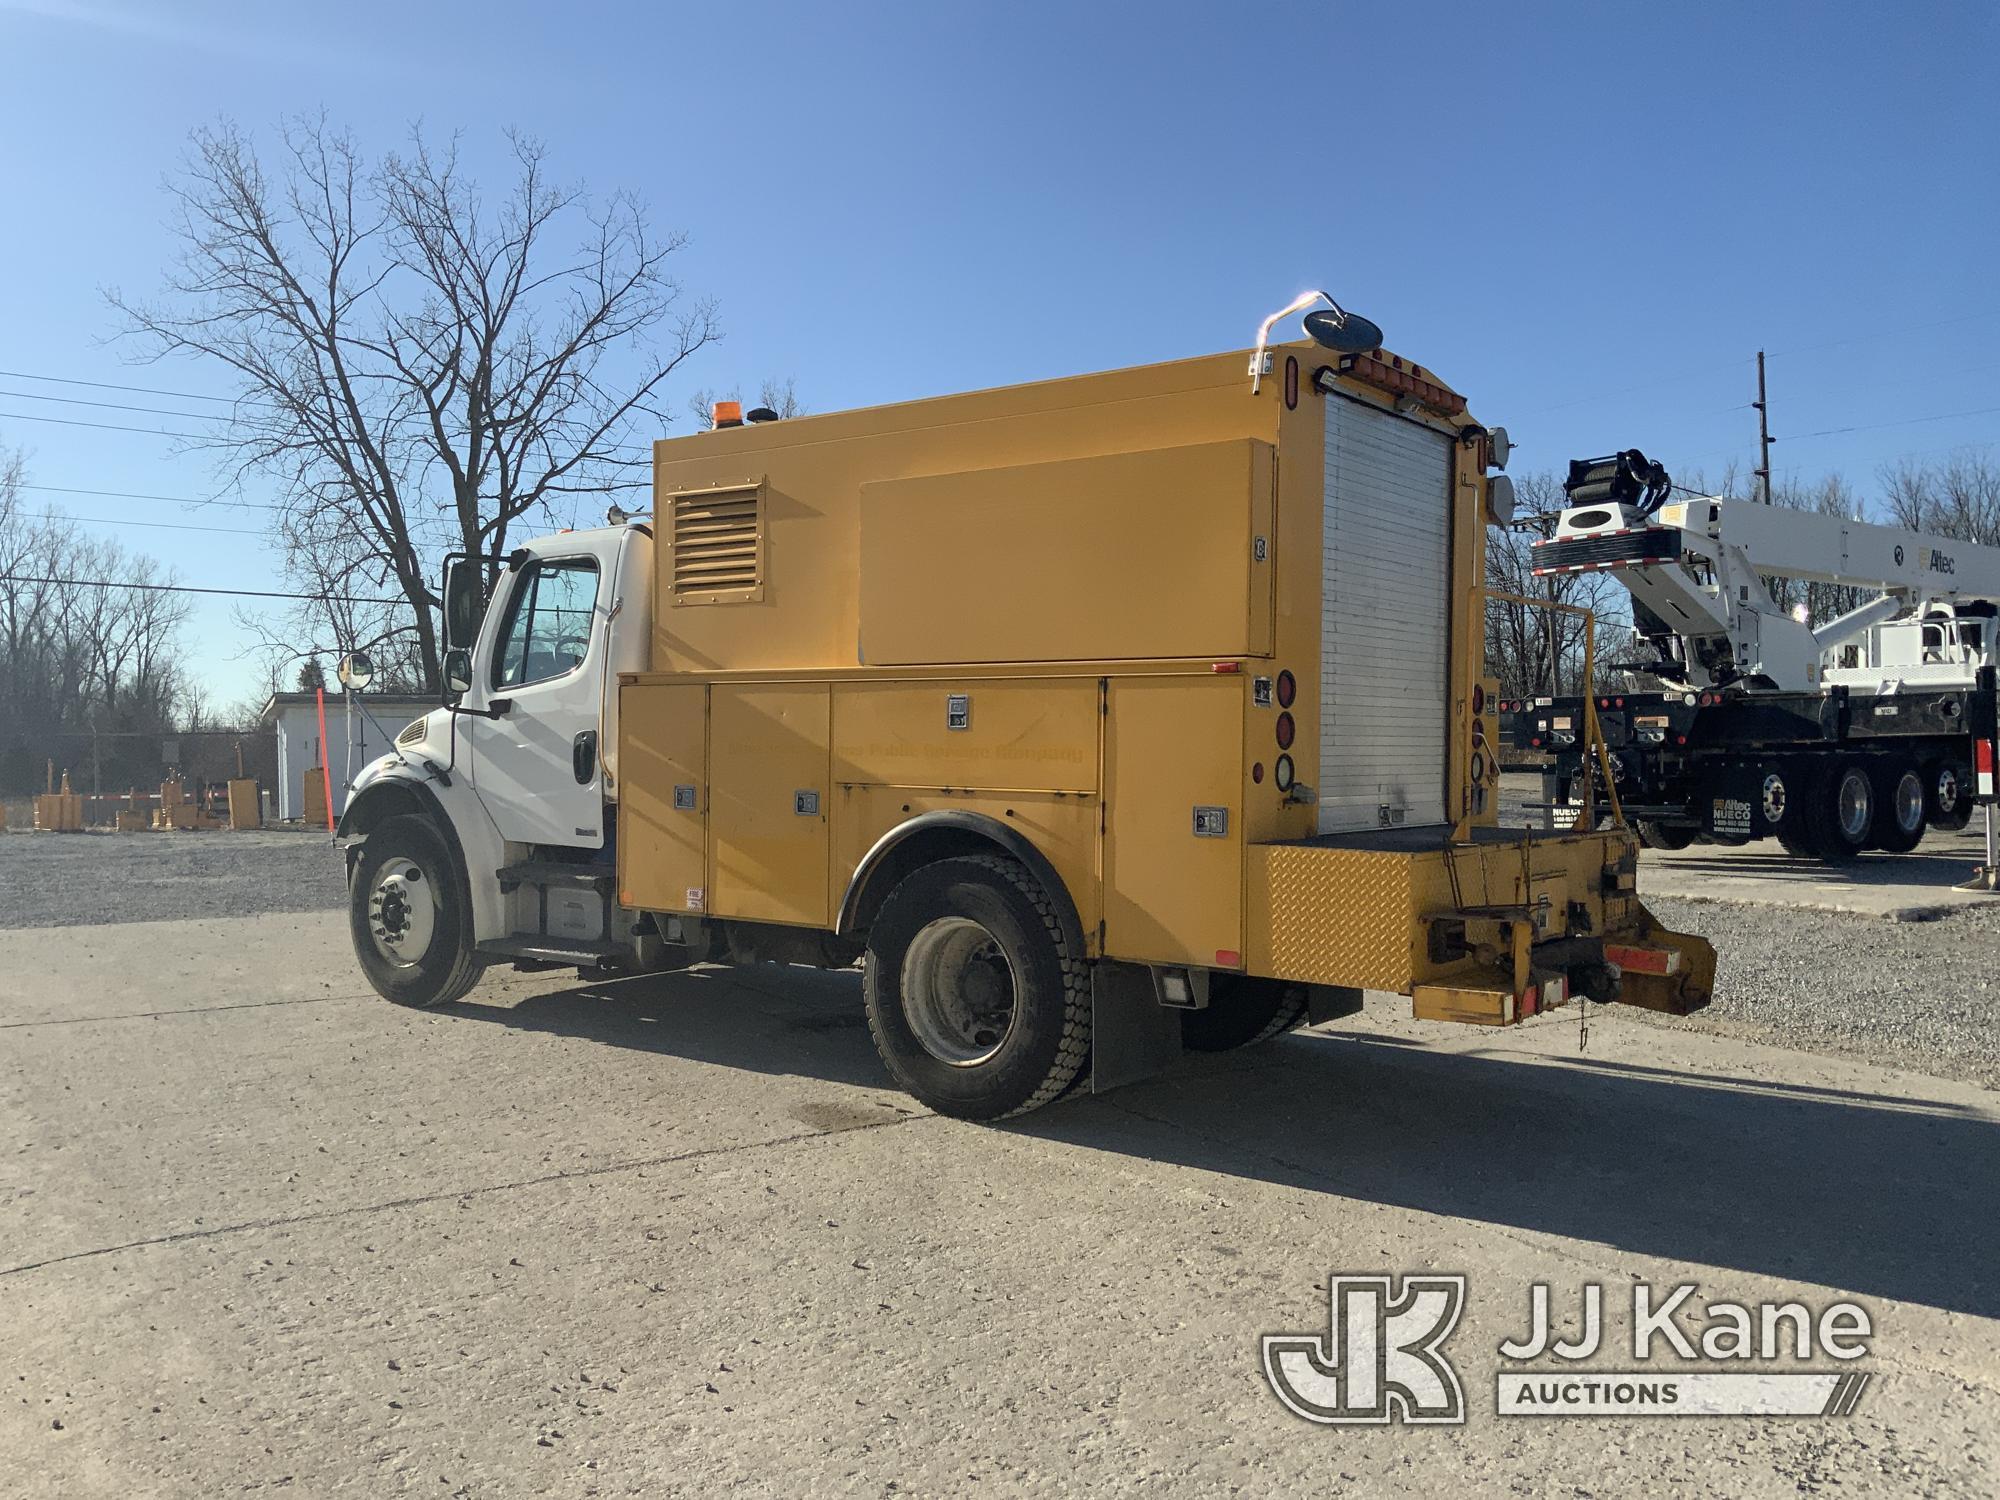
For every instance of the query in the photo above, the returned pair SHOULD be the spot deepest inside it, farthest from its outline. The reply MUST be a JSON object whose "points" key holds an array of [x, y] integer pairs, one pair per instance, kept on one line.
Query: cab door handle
{"points": [[583, 756]]}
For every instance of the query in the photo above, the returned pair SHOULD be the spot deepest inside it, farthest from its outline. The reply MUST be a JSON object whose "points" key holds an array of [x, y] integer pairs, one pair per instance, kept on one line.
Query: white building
{"points": [[355, 737]]}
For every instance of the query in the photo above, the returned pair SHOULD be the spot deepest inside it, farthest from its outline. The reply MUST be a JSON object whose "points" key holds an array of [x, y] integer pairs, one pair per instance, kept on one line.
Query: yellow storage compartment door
{"points": [[1117, 557], [663, 800], [768, 821], [1173, 847]]}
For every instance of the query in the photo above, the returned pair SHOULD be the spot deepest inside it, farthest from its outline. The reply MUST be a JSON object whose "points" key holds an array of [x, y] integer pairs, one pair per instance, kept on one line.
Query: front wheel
{"points": [[978, 1002], [408, 917]]}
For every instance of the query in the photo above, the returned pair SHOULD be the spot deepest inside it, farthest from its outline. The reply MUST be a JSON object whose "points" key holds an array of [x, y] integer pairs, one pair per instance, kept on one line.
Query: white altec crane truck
{"points": [[1859, 734]]}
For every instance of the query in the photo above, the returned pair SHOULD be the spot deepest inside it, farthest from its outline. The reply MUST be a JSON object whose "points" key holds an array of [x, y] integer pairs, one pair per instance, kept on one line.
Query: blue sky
{"points": [[1587, 217]]}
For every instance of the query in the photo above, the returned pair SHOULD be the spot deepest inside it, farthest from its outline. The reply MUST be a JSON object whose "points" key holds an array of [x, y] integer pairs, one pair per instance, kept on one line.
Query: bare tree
{"points": [[89, 640], [417, 366], [1959, 498]]}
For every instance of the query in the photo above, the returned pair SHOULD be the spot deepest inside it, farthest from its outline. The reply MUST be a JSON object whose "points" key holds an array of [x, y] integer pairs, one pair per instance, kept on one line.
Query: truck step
{"points": [[583, 953], [544, 872]]}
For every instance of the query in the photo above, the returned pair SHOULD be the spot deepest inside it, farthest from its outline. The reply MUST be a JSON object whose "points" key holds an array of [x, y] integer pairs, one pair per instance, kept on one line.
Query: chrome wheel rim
{"points": [[1947, 790], [401, 914], [959, 992], [1774, 799], [1909, 803], [1853, 807]]}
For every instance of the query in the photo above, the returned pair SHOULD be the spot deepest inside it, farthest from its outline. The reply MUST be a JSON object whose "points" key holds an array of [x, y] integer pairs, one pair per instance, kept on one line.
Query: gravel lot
{"points": [[85, 879], [1918, 995]]}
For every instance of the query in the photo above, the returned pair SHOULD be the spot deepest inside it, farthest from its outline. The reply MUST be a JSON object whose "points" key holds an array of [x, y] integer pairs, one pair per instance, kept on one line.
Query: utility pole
{"points": [[1763, 436]]}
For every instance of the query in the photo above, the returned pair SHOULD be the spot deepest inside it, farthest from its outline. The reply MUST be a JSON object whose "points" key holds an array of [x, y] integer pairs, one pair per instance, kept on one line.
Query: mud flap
{"points": [[1132, 1036]]}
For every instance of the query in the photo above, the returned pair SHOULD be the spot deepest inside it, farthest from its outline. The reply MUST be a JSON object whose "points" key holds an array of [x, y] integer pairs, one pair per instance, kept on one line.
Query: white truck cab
{"points": [[513, 780]]}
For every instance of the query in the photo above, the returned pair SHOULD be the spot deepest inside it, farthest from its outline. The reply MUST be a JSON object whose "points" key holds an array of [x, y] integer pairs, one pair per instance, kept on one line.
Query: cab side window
{"points": [[549, 617]]}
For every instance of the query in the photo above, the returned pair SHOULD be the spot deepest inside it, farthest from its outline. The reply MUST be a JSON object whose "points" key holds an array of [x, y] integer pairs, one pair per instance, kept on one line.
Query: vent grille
{"points": [[412, 734], [718, 545]]}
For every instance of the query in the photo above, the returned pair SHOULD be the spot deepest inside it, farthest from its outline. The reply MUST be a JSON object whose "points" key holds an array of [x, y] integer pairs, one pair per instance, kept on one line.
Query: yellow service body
{"points": [[1058, 606]]}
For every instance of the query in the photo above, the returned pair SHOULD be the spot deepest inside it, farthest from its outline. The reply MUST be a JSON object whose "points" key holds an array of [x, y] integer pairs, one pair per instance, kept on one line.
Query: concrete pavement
{"points": [[677, 1234]]}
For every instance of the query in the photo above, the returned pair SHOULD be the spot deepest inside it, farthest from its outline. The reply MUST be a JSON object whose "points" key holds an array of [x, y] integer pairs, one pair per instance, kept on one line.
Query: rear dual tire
{"points": [[1241, 1012], [978, 996], [1851, 804], [1901, 806]]}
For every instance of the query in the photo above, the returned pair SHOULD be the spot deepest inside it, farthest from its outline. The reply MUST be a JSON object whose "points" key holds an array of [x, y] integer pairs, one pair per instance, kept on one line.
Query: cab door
{"points": [[537, 764]]}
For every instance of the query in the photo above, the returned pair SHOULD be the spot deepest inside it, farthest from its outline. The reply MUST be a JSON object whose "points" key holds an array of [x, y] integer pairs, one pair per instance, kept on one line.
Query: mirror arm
{"points": [[498, 708]]}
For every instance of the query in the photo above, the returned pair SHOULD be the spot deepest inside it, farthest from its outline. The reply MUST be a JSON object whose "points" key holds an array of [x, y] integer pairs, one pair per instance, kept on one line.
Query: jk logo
{"points": [[1381, 1359]]}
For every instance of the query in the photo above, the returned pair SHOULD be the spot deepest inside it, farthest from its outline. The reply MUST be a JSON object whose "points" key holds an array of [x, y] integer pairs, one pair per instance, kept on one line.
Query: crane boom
{"points": [[1696, 571]]}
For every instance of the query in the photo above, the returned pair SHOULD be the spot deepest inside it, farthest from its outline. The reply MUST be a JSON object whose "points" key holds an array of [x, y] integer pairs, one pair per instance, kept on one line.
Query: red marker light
{"points": [[1226, 666]]}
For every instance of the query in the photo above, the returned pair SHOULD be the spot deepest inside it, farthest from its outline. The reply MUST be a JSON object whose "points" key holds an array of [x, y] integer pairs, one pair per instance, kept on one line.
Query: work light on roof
{"points": [[1332, 327]]}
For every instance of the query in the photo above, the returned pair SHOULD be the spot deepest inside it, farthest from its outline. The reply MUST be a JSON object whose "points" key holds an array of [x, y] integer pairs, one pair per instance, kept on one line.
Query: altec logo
{"points": [[1382, 1359]]}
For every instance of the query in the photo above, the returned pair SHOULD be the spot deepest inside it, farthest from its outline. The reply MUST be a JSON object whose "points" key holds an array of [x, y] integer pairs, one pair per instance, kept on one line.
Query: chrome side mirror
{"points": [[356, 671], [457, 673]]}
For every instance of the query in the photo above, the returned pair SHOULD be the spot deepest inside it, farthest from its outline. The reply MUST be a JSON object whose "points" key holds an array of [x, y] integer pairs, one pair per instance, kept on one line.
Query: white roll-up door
{"points": [[1385, 624]]}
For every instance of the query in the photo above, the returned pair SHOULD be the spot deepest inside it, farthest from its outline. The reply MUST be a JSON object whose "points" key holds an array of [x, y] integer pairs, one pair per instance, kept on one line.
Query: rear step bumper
{"points": [[1491, 930]]}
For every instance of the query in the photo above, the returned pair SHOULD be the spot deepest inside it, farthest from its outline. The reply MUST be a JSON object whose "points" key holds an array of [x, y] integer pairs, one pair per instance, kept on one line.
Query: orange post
{"points": [[326, 775]]}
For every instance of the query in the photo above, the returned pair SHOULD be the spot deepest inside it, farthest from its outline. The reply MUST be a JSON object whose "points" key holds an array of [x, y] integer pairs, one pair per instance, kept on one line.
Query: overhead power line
{"points": [[58, 489], [158, 411], [106, 385], [57, 515], [22, 416], [189, 588], [1942, 416]]}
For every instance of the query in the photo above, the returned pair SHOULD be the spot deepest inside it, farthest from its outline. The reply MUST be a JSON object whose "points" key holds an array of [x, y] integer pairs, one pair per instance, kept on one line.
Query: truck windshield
{"points": [[547, 633]]}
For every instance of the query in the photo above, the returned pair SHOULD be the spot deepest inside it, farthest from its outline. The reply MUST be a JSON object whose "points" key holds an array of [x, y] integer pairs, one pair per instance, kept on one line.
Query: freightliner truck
{"points": [[1095, 719], [1749, 722]]}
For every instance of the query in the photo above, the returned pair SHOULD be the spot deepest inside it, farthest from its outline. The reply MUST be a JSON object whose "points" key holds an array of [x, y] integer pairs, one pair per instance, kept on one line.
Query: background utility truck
{"points": [[1860, 733], [1098, 717]]}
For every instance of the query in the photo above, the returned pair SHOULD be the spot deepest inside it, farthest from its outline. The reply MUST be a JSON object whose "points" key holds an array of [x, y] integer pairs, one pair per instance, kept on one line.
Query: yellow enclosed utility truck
{"points": [[1095, 718]]}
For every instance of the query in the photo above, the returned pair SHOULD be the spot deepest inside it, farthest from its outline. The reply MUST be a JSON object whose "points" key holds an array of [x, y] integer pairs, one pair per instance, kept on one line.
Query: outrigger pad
{"points": [[1660, 970]]}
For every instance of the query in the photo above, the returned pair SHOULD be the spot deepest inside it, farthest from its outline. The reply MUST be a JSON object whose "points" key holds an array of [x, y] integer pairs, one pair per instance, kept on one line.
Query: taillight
{"points": [[1287, 731], [1288, 689]]}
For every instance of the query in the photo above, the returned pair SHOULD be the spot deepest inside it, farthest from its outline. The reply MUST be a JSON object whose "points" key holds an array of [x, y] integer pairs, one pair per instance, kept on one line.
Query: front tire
{"points": [[407, 914], [978, 1001]]}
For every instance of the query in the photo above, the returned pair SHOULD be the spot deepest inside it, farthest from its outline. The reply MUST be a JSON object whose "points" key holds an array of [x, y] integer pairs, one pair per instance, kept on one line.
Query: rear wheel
{"points": [[408, 917], [1948, 795], [1657, 835], [1899, 805], [1241, 1012], [1838, 812], [978, 1003]]}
